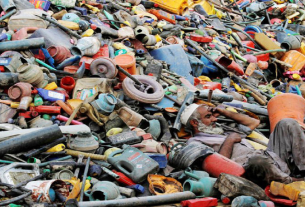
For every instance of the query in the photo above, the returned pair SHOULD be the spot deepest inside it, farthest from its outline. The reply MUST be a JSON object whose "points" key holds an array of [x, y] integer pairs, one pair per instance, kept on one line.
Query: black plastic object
{"points": [[8, 79], [30, 140], [199, 9], [183, 157], [125, 138]]}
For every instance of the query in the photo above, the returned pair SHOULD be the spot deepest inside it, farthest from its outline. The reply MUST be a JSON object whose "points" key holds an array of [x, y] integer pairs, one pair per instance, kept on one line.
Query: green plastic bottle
{"points": [[38, 100]]}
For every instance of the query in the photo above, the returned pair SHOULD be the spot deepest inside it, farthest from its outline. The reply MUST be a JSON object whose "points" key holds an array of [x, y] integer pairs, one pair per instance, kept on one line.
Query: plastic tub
{"points": [[128, 63]]}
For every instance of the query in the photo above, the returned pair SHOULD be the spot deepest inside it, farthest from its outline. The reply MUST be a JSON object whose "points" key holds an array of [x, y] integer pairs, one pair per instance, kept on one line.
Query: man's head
{"points": [[201, 119]]}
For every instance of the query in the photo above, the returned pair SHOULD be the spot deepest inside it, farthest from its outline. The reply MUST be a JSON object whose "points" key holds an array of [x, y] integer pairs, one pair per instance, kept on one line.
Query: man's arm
{"points": [[239, 118], [226, 148]]}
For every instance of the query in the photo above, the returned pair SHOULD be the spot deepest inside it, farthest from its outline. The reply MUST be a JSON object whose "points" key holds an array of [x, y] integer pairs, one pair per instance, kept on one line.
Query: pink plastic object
{"points": [[63, 118], [24, 33], [212, 85]]}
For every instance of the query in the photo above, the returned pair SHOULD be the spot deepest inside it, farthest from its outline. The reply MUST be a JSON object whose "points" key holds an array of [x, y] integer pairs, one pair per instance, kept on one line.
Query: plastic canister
{"points": [[173, 6], [125, 138], [128, 63], [294, 58], [133, 163], [212, 85], [215, 164]]}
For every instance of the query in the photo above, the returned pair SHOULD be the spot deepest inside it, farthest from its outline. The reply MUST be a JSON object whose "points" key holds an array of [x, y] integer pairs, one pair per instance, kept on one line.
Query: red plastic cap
{"points": [[93, 26], [156, 5]]}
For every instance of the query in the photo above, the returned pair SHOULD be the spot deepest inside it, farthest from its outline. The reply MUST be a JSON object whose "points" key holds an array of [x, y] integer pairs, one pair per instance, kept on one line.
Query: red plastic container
{"points": [[199, 38], [249, 44], [87, 61], [103, 52], [67, 83], [212, 85], [47, 109], [263, 57], [215, 164], [200, 202]]}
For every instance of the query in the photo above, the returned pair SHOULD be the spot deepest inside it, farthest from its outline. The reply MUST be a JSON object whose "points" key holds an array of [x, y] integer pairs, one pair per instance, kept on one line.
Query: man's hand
{"points": [[234, 137], [217, 111]]}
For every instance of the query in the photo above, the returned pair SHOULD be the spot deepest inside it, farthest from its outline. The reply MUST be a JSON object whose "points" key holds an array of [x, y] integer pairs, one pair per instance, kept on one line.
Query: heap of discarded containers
{"points": [[92, 93]]}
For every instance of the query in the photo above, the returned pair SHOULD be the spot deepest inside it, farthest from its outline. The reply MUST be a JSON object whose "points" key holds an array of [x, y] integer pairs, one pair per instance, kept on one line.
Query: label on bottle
{"points": [[56, 95]]}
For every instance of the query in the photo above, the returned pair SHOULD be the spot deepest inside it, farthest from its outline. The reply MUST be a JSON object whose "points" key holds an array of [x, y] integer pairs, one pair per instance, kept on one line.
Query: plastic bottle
{"points": [[38, 100], [50, 95], [160, 14]]}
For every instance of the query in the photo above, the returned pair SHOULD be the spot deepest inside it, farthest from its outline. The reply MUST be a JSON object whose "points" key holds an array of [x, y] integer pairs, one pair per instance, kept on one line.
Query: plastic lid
{"points": [[125, 60]]}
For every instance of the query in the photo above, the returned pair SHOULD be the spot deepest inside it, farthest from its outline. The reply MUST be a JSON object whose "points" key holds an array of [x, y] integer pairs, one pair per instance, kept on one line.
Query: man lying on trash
{"points": [[282, 161]]}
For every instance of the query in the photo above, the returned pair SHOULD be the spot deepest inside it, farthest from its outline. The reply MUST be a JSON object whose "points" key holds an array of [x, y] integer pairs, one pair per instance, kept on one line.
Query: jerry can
{"points": [[173, 6], [294, 58], [133, 163]]}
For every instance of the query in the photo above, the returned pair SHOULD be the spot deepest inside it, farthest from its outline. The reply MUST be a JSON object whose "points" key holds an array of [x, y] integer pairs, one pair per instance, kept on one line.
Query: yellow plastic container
{"points": [[15, 105], [291, 190], [138, 11], [68, 24], [51, 86], [88, 33], [57, 148], [173, 6], [119, 46], [114, 131], [256, 136]]}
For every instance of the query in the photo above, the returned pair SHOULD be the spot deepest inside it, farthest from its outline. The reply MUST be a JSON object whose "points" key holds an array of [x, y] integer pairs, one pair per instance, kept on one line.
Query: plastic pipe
{"points": [[59, 159], [238, 56], [221, 67], [22, 44], [91, 155], [250, 38], [64, 106], [31, 140], [63, 118], [298, 91], [8, 15], [44, 64], [269, 51], [142, 201], [84, 179]]}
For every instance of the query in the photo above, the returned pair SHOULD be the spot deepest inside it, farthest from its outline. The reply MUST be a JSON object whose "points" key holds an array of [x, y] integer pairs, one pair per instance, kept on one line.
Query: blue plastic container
{"points": [[159, 158], [105, 103], [208, 66], [52, 96], [177, 58]]}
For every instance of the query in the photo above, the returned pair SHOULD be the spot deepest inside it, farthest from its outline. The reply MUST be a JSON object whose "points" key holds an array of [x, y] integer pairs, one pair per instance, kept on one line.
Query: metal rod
{"points": [[128, 75], [84, 179]]}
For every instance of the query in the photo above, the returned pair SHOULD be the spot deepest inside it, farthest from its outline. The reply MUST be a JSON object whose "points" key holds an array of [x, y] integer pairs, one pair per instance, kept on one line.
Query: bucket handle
{"points": [[88, 193], [115, 153], [46, 71]]}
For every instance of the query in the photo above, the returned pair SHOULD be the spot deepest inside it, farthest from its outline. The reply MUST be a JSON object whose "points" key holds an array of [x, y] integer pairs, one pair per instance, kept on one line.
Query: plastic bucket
{"points": [[128, 63], [286, 105]]}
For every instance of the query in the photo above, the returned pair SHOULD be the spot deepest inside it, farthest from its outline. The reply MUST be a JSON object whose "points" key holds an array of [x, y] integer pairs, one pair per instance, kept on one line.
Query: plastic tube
{"points": [[59, 159], [22, 44], [269, 51], [63, 118], [44, 64], [64, 106], [238, 56], [75, 153], [142, 201]]}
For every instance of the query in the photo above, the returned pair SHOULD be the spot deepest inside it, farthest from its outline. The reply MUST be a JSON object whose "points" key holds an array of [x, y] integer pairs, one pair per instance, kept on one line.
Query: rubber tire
{"points": [[132, 92], [106, 62]]}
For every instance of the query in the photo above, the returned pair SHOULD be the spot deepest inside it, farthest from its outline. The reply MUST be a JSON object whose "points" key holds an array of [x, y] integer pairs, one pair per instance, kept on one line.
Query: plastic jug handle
{"points": [[88, 193], [123, 167]]}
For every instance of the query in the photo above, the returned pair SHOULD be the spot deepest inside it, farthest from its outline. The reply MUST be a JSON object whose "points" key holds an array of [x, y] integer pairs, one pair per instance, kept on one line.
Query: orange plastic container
{"points": [[215, 164], [163, 15], [294, 58], [128, 63], [286, 105]]}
